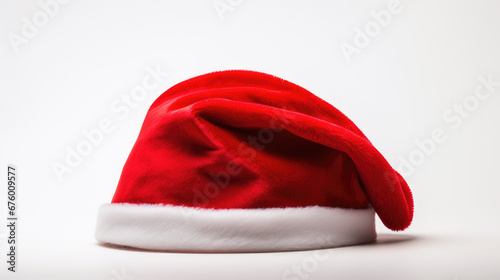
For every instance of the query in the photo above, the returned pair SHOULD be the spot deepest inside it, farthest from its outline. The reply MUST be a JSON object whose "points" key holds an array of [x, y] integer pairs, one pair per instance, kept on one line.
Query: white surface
{"points": [[78, 71], [393, 256]]}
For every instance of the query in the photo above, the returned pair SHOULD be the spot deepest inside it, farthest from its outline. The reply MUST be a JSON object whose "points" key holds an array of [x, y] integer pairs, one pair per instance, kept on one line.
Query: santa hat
{"points": [[243, 161]]}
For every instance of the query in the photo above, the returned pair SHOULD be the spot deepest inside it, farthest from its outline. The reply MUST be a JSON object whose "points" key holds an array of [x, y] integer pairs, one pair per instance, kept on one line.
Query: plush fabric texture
{"points": [[248, 140], [188, 229]]}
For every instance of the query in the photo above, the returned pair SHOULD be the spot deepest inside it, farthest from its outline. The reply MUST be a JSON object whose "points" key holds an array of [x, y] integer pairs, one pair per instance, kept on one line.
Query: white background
{"points": [[75, 67]]}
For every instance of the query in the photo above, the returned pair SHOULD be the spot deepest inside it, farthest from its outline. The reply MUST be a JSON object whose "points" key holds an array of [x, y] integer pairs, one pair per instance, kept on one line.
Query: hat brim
{"points": [[177, 228]]}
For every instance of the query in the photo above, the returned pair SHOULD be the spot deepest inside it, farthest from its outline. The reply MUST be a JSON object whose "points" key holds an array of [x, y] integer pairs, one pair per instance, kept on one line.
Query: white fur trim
{"points": [[176, 228]]}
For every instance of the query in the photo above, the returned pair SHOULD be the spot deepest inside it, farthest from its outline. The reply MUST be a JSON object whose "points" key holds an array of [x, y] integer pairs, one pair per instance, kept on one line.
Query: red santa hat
{"points": [[245, 161]]}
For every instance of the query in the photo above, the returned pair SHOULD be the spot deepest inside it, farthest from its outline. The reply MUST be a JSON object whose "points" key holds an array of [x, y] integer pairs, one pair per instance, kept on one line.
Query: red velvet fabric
{"points": [[243, 139]]}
